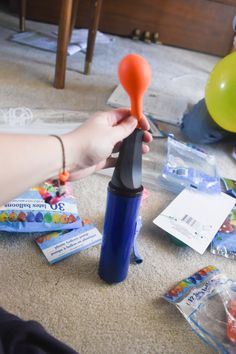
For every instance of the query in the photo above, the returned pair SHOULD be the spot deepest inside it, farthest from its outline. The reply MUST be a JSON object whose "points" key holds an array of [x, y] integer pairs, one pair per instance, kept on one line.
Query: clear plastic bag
{"points": [[188, 166], [207, 299]]}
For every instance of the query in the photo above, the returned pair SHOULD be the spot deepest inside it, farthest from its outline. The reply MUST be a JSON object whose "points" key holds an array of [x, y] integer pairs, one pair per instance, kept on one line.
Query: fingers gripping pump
{"points": [[125, 188]]}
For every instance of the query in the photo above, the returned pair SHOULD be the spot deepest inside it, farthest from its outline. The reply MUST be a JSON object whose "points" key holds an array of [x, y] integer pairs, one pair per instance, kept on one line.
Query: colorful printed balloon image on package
{"points": [[207, 300], [30, 213], [224, 243]]}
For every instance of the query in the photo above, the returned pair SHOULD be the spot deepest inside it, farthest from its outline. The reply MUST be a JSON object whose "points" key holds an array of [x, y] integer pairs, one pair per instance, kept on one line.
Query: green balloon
{"points": [[220, 93], [47, 217]]}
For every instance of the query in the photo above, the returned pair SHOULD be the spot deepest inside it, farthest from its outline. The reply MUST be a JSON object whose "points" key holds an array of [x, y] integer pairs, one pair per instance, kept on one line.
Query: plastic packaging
{"points": [[24, 120], [228, 186], [207, 300], [224, 243], [186, 165], [30, 213], [58, 245]]}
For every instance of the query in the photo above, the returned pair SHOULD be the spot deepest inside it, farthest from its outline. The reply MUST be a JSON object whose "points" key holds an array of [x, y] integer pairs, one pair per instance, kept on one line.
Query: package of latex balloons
{"points": [[30, 213], [188, 166], [224, 242], [207, 300]]}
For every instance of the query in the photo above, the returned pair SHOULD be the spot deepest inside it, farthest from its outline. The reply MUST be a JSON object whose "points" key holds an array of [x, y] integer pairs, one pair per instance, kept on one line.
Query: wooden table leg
{"points": [[96, 11], [62, 43], [74, 16], [22, 15]]}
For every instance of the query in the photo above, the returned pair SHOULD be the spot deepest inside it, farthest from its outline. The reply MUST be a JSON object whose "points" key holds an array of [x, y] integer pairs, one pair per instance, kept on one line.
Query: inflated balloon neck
{"points": [[137, 110], [135, 75]]}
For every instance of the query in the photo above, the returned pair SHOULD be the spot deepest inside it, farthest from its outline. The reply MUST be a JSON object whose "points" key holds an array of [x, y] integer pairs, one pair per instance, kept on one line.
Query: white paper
{"points": [[195, 217], [78, 41], [42, 41], [80, 36]]}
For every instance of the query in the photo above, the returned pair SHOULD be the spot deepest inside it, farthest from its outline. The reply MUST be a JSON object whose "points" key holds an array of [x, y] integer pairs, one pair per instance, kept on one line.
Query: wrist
{"points": [[73, 144]]}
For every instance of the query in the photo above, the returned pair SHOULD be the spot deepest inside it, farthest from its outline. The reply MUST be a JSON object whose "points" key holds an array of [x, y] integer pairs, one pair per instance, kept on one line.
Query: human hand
{"points": [[92, 144]]}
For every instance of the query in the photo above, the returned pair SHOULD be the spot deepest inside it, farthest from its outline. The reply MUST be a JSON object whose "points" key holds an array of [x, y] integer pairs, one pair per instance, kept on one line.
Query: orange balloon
{"points": [[135, 75]]}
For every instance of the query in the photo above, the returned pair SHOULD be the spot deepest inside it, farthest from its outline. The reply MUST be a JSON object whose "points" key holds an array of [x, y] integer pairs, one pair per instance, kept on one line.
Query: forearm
{"points": [[29, 160]]}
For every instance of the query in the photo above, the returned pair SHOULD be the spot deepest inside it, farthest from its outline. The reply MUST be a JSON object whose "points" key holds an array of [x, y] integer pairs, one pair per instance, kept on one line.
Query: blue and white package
{"points": [[30, 213], [228, 186], [61, 244], [224, 242]]}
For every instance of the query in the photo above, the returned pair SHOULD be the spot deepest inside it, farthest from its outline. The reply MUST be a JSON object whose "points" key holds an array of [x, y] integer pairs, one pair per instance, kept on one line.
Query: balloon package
{"points": [[228, 186], [30, 213], [224, 243], [188, 166], [58, 245], [207, 300]]}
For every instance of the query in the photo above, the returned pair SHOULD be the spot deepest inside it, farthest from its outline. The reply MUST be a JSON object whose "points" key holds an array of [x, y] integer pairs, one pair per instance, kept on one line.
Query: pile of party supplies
{"points": [[202, 216], [59, 230], [203, 213]]}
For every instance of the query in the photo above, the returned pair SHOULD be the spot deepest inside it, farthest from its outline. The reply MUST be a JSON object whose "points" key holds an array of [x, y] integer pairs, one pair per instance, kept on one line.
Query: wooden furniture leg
{"points": [[96, 11], [62, 42], [22, 15], [74, 16]]}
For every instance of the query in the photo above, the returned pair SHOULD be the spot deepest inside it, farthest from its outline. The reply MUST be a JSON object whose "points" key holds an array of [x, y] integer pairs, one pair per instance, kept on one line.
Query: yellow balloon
{"points": [[220, 93]]}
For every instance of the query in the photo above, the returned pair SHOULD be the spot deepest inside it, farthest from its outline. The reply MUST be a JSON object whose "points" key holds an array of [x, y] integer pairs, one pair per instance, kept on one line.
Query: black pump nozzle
{"points": [[128, 171]]}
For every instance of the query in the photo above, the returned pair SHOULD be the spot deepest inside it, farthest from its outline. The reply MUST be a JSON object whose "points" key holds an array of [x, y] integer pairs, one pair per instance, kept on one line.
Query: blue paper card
{"points": [[61, 244]]}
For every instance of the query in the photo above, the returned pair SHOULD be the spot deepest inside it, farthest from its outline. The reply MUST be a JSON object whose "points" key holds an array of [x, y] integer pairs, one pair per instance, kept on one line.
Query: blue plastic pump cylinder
{"points": [[118, 234]]}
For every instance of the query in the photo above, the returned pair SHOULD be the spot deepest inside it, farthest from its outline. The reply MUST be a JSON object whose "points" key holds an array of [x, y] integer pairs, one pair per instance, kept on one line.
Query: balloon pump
{"points": [[125, 188]]}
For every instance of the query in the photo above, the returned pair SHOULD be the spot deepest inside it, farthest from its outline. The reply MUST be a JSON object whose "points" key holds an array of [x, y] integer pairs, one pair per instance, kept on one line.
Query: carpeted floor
{"points": [[68, 298]]}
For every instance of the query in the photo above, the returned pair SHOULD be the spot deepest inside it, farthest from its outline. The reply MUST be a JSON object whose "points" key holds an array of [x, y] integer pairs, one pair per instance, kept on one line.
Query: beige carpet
{"points": [[68, 298]]}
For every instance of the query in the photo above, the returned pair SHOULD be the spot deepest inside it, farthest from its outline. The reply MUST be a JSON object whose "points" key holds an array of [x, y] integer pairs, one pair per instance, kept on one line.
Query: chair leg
{"points": [[22, 15], [74, 16], [96, 11], [62, 43]]}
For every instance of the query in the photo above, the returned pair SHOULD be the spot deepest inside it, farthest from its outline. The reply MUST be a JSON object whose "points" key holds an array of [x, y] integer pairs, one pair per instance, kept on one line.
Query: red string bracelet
{"points": [[59, 183]]}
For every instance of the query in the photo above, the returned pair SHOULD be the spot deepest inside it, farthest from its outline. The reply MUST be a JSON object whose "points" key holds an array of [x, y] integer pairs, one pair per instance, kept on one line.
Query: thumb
{"points": [[124, 128]]}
